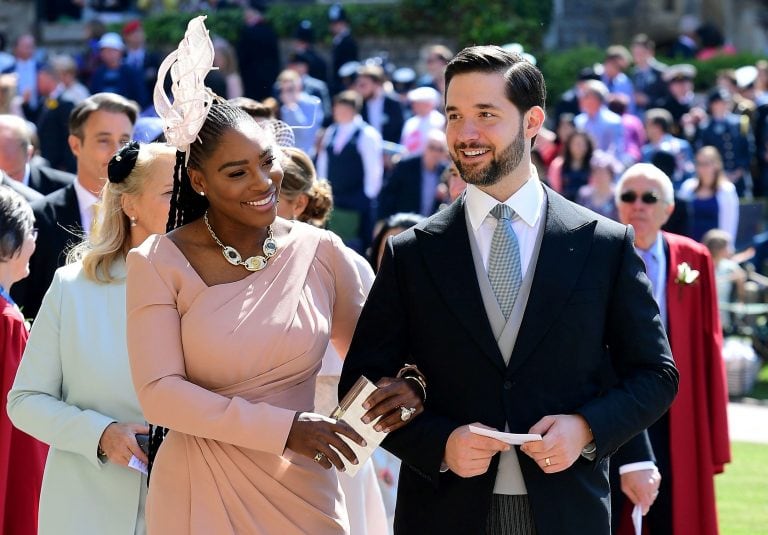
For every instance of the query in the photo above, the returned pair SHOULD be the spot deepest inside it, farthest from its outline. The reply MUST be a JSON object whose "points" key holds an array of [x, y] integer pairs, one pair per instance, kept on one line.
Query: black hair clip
{"points": [[122, 163]]}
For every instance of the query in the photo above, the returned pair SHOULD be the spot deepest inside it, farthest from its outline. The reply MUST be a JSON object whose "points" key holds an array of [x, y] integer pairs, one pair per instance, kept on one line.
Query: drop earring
{"points": [[133, 220]]}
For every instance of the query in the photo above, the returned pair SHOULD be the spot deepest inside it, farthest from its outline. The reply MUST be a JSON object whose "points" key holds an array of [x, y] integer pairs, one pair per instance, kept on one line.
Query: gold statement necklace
{"points": [[253, 263]]}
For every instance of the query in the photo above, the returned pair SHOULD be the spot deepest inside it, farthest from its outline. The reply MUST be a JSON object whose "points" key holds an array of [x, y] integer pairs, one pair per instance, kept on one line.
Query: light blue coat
{"points": [[73, 381]]}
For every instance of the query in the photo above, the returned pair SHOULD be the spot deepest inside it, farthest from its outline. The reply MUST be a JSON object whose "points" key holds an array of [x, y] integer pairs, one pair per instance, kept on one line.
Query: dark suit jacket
{"points": [[53, 132], [589, 293], [394, 118], [401, 191], [342, 52], [47, 180], [28, 193], [57, 218]]}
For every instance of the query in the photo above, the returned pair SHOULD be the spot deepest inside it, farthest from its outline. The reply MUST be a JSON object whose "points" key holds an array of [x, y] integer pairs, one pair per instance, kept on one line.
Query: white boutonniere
{"points": [[686, 275]]}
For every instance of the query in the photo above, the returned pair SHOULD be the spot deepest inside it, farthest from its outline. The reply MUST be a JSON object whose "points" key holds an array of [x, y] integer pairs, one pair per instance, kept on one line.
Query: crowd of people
{"points": [[211, 259]]}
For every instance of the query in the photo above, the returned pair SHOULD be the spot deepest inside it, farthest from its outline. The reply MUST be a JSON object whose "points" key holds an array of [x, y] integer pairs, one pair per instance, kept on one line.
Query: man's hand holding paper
{"points": [[563, 438]]}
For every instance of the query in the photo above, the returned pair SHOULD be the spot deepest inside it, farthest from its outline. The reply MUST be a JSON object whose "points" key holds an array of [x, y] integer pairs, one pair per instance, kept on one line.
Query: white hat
{"points": [[111, 40], [424, 94], [746, 76]]}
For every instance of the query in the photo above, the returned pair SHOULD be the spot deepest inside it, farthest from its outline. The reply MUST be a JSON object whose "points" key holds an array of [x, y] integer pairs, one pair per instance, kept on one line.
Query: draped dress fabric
{"points": [[226, 368]]}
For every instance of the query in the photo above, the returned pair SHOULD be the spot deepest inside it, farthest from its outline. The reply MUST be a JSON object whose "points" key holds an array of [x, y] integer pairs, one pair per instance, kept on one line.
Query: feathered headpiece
{"points": [[189, 64]]}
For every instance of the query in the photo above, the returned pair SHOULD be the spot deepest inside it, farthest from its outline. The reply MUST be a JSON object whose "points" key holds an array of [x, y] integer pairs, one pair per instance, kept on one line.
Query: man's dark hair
{"points": [[110, 102], [525, 86]]}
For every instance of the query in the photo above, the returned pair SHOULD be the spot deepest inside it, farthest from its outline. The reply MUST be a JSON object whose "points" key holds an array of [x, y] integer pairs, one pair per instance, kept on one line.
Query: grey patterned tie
{"points": [[504, 268]]}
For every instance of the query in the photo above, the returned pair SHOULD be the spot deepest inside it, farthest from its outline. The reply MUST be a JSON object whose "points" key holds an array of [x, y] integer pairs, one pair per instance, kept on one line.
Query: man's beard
{"points": [[502, 165]]}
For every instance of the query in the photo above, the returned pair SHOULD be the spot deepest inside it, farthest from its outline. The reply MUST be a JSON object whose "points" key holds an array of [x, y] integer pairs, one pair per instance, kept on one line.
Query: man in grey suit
{"points": [[525, 313]]}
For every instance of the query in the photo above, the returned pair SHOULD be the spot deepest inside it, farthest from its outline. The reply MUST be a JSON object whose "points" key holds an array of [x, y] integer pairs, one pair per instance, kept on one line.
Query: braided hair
{"points": [[186, 204]]}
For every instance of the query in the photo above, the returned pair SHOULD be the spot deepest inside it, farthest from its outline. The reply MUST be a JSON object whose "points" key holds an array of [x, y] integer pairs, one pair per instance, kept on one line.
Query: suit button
{"points": [[507, 385]]}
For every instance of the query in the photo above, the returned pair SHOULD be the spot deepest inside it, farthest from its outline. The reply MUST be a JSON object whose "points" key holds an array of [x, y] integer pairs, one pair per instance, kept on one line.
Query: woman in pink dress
{"points": [[229, 316]]}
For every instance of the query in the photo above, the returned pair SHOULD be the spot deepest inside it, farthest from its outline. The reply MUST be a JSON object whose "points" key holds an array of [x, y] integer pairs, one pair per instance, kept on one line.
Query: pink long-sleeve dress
{"points": [[225, 368]]}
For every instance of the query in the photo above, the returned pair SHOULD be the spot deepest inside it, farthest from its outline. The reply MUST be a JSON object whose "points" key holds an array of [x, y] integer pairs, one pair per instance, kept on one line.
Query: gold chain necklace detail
{"points": [[253, 263]]}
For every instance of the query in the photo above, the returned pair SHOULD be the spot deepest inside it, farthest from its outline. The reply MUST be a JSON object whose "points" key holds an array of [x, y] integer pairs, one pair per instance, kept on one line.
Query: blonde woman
{"points": [[73, 389], [713, 200]]}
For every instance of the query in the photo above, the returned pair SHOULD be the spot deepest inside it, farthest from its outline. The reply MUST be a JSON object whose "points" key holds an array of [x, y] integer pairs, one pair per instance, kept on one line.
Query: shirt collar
{"points": [[85, 199], [526, 202], [656, 248]]}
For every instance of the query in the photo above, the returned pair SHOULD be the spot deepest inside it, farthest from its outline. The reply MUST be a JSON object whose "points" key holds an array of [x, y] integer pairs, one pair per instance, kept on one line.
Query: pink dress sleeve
{"points": [[351, 292], [166, 396]]}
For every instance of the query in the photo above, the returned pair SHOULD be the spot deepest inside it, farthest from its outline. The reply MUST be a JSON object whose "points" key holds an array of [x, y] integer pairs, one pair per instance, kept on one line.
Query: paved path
{"points": [[748, 422]]}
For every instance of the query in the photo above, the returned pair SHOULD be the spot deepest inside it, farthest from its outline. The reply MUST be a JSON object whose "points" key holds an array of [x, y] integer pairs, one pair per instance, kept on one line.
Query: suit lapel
{"points": [[564, 249], [447, 255]]}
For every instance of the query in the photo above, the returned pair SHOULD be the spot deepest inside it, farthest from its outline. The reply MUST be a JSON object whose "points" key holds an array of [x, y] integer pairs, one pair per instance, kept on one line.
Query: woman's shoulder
{"points": [[727, 186]]}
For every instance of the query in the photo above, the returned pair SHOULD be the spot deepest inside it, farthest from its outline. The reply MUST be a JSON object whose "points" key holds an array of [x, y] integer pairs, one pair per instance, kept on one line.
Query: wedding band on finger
{"points": [[406, 413], [547, 462], [318, 456]]}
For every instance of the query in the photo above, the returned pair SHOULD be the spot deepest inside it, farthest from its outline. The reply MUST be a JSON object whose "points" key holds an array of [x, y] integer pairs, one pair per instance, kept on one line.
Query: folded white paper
{"points": [[637, 519], [137, 465], [514, 439], [350, 411]]}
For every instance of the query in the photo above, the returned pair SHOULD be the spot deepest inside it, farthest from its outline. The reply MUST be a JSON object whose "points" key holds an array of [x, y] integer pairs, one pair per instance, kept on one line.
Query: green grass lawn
{"points": [[760, 391], [742, 491]]}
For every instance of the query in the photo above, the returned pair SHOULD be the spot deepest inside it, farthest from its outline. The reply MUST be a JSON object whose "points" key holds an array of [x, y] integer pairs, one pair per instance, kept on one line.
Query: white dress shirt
{"points": [[85, 201], [528, 204], [369, 145]]}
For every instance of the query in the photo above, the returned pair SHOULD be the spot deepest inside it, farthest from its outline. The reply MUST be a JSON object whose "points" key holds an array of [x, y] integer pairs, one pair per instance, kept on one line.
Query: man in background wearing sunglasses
{"points": [[690, 442]]}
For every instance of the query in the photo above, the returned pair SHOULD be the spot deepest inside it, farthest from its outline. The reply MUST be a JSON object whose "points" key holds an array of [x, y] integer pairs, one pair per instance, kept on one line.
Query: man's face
{"points": [[103, 133], [13, 157], [640, 54], [435, 153], [589, 103], [646, 218], [46, 83], [135, 39], [111, 57], [25, 47], [343, 113], [485, 131], [365, 86]]}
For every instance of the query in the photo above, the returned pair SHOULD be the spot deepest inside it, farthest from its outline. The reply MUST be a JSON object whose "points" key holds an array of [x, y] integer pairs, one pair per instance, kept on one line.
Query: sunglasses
{"points": [[649, 197]]}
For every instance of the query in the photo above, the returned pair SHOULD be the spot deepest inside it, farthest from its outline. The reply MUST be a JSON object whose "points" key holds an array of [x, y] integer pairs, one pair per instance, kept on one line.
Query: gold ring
{"points": [[547, 462], [318, 456]]}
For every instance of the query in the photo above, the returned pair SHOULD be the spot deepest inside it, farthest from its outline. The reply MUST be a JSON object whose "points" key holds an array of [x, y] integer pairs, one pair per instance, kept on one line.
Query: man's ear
{"points": [[74, 145], [533, 121]]}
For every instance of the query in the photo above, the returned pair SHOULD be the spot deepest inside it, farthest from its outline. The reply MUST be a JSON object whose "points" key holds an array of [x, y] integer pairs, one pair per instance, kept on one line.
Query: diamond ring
{"points": [[406, 413]]}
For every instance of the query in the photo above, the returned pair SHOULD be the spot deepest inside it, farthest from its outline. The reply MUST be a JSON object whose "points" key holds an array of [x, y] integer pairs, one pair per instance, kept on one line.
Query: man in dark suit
{"points": [[521, 345], [16, 153], [28, 193], [258, 51], [344, 46], [98, 126], [381, 111], [412, 185]]}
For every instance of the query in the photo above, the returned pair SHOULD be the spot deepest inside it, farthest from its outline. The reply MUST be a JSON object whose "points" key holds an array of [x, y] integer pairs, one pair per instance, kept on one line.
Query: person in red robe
{"points": [[690, 442], [22, 458]]}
